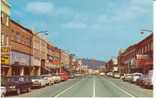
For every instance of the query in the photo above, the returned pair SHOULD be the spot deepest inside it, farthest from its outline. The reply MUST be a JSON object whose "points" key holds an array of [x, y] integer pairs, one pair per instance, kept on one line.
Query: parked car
{"points": [[38, 81], [49, 79], [136, 76], [64, 76], [139, 81], [78, 75], [56, 78], [116, 75], [148, 80], [122, 76], [3, 91], [17, 84], [110, 74], [127, 77], [102, 74]]}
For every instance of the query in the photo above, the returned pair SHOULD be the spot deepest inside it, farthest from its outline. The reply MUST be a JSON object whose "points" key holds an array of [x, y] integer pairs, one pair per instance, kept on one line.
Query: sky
{"points": [[95, 29]]}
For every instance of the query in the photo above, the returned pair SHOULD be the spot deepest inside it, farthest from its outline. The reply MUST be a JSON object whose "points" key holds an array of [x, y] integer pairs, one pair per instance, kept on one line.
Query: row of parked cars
{"points": [[144, 80], [20, 84]]}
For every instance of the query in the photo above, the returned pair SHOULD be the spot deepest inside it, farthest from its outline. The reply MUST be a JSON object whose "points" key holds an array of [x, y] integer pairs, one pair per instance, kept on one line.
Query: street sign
{"points": [[5, 59]]}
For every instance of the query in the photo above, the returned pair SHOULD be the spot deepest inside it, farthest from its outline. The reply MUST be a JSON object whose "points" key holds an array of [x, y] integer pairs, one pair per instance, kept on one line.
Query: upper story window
{"points": [[17, 37], [2, 40], [151, 45], [5, 19]]}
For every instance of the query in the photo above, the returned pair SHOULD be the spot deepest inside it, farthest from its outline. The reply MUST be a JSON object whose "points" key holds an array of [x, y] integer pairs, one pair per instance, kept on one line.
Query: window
{"points": [[2, 39], [151, 45], [7, 21], [7, 41], [28, 41], [18, 37], [2, 15]]}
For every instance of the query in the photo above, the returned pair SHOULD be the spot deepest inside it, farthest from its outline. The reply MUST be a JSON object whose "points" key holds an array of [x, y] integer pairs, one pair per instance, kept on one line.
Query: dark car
{"points": [[139, 81], [147, 82], [17, 84]]}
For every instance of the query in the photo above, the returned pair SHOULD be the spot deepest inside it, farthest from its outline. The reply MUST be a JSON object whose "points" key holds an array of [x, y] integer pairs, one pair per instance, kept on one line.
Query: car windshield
{"points": [[137, 74], [12, 79], [36, 77]]}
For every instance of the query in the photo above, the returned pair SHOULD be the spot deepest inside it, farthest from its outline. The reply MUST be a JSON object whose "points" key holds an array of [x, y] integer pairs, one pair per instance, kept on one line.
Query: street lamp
{"points": [[145, 30], [41, 32]]}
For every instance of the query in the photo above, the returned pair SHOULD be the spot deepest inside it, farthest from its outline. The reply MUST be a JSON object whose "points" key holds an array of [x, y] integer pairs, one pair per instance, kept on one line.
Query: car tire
{"points": [[18, 91]]}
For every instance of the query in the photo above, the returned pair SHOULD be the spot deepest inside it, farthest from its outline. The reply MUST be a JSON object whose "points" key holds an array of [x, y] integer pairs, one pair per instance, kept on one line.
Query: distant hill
{"points": [[94, 64]]}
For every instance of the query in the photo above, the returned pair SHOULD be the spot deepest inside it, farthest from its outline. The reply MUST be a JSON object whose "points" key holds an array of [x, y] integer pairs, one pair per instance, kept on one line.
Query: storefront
{"points": [[36, 63], [21, 63], [5, 61], [144, 63]]}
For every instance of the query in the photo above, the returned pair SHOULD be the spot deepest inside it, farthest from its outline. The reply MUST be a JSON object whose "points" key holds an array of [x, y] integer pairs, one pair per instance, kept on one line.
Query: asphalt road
{"points": [[91, 86]]}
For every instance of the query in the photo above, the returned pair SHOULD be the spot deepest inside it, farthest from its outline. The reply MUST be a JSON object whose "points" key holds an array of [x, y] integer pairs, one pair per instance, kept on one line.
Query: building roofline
{"points": [[28, 30]]}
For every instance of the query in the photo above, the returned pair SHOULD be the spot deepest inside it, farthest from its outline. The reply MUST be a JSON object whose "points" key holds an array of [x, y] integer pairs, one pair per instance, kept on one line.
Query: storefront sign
{"points": [[5, 49], [20, 58], [5, 59]]}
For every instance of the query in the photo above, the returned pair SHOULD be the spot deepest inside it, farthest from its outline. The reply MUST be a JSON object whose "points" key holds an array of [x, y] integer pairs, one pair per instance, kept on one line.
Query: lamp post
{"points": [[145, 30]]}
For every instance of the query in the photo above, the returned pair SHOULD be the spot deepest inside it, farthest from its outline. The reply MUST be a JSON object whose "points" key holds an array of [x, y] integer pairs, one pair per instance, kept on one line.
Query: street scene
{"points": [[77, 48]]}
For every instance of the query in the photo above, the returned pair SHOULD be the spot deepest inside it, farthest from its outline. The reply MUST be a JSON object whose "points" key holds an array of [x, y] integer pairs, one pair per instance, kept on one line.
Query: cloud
{"points": [[77, 22], [40, 7], [75, 25], [48, 8]]}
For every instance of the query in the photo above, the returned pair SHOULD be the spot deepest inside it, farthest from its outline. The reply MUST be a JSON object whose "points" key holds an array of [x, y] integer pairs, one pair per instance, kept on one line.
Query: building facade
{"points": [[65, 59], [17, 40], [5, 31], [138, 57]]}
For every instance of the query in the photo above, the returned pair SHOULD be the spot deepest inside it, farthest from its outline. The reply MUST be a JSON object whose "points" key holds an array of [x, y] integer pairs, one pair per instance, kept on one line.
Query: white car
{"points": [[110, 74], [116, 75], [102, 74], [3, 91], [56, 78], [136, 76], [38, 81], [49, 79]]}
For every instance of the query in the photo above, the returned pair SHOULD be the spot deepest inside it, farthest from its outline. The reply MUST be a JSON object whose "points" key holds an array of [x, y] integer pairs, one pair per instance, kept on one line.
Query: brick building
{"points": [[125, 58], [17, 39], [138, 57], [5, 38], [65, 59]]}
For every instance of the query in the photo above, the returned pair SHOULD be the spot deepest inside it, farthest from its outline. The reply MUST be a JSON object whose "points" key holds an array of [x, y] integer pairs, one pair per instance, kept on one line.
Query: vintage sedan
{"points": [[127, 77], [136, 76], [17, 84], [49, 79], [38, 81]]}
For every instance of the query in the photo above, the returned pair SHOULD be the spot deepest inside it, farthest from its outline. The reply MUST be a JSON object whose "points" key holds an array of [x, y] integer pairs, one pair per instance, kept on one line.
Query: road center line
{"points": [[93, 87], [121, 89], [67, 89]]}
